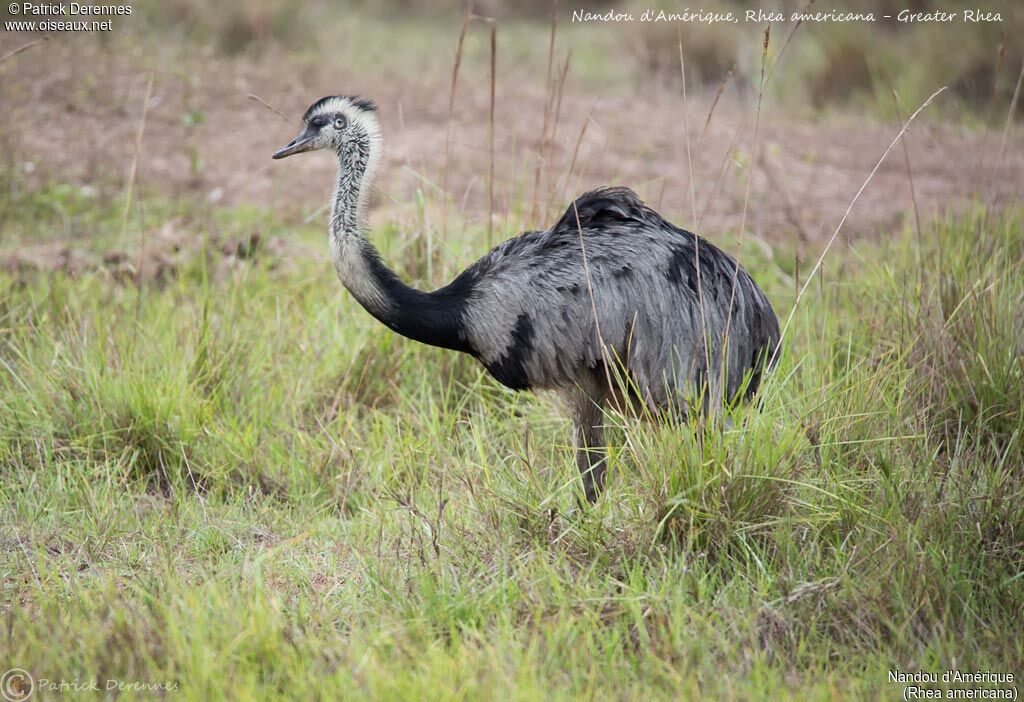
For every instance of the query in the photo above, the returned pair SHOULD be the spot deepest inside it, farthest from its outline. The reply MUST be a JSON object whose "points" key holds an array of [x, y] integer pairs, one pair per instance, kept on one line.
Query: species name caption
{"points": [[689, 16], [976, 685]]}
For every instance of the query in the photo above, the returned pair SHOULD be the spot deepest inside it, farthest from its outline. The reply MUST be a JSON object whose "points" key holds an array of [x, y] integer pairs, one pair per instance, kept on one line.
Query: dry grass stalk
{"points": [[256, 98], [1006, 132], [746, 194], [493, 25], [846, 214], [607, 362], [135, 160], [711, 111], [23, 47], [788, 207], [723, 167], [547, 112], [467, 13], [686, 130], [575, 153], [910, 171], [693, 202], [562, 73], [490, 136]]}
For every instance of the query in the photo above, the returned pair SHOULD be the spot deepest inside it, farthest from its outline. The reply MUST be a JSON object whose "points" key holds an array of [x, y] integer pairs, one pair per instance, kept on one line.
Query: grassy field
{"points": [[228, 479], [221, 479]]}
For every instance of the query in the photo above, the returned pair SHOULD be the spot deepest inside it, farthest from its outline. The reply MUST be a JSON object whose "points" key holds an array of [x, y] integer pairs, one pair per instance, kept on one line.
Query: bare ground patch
{"points": [[73, 108]]}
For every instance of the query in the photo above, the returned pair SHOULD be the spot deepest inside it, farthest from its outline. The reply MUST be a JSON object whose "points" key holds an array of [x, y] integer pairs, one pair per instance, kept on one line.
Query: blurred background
{"points": [[577, 104]]}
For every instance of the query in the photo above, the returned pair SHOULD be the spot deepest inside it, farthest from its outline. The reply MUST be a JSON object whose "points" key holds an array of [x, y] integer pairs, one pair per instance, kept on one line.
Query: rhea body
{"points": [[612, 296]]}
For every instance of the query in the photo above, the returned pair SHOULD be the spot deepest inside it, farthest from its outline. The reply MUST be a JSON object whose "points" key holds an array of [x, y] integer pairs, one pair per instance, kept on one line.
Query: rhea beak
{"points": [[303, 142]]}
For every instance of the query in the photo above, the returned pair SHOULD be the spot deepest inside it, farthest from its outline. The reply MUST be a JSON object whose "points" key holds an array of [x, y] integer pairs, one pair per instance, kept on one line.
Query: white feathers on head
{"points": [[359, 156], [359, 111]]}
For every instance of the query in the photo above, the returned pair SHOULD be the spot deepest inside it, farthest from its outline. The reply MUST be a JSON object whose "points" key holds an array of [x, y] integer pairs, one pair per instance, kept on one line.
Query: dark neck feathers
{"points": [[431, 318]]}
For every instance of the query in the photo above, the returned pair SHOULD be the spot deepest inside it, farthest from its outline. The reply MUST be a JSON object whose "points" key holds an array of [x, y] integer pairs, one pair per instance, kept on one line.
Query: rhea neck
{"points": [[431, 318]]}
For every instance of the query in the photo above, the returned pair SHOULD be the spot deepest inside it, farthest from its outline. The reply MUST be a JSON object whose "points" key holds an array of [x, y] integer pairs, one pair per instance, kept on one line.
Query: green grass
{"points": [[244, 486]]}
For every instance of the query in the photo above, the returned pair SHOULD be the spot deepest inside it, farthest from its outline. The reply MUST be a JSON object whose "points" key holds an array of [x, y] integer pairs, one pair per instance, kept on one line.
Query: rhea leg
{"points": [[588, 437]]}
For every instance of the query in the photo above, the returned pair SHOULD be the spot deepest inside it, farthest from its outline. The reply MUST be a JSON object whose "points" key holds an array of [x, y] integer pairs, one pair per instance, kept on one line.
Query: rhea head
{"points": [[335, 122]]}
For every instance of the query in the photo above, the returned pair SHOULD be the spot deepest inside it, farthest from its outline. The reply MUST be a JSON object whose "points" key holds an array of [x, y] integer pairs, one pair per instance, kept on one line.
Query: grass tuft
{"points": [[241, 485]]}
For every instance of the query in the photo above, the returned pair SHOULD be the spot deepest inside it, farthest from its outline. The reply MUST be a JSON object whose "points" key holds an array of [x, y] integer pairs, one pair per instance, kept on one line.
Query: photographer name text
{"points": [[31, 9], [50, 17]]}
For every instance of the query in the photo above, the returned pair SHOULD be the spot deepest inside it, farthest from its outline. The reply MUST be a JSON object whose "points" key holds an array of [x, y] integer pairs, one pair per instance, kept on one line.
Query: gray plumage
{"points": [[612, 292]]}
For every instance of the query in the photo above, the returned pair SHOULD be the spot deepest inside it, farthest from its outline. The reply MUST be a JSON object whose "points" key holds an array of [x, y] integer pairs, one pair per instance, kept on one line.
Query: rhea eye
{"points": [[339, 122]]}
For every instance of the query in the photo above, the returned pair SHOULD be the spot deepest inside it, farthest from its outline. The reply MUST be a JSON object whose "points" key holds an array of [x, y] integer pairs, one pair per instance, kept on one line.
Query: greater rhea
{"points": [[612, 305]]}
